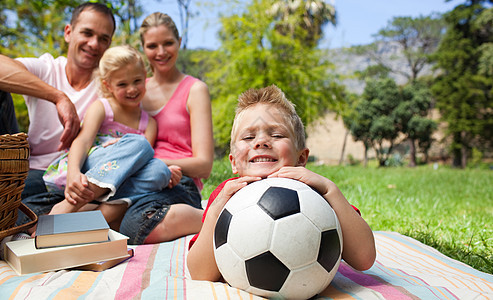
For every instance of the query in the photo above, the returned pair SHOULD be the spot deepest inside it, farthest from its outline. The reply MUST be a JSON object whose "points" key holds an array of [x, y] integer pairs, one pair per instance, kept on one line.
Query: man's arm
{"points": [[15, 78]]}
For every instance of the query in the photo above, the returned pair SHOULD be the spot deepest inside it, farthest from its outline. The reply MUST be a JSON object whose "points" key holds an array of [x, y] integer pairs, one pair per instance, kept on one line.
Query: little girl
{"points": [[111, 160]]}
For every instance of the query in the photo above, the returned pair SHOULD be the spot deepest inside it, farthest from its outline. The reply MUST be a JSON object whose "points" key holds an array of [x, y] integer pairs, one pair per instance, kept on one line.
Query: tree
{"points": [[38, 27], [416, 39], [386, 111], [356, 124], [464, 88], [411, 117], [185, 14], [254, 54], [373, 122], [126, 13], [303, 20], [8, 35]]}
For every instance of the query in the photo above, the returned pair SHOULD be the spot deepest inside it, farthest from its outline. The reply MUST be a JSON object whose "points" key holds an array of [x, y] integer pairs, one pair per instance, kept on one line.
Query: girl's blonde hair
{"points": [[273, 96], [157, 19], [114, 59]]}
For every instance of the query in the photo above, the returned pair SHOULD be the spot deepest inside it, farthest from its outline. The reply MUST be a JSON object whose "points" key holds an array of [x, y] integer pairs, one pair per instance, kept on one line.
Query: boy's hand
{"points": [[314, 180], [176, 175], [230, 188], [77, 189]]}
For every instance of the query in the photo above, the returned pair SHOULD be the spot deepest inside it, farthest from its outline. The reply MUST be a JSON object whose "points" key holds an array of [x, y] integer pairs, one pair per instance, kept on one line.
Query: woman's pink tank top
{"points": [[174, 136]]}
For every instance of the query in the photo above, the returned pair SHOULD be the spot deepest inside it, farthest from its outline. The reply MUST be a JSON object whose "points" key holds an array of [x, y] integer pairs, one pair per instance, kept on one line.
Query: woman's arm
{"points": [[199, 106], [151, 131]]}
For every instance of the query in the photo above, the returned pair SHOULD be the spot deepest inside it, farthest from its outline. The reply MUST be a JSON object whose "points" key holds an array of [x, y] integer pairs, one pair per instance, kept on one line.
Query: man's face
{"points": [[88, 38]]}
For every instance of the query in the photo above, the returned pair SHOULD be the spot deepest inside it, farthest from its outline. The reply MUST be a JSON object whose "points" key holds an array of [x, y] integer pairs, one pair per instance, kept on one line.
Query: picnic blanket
{"points": [[404, 269]]}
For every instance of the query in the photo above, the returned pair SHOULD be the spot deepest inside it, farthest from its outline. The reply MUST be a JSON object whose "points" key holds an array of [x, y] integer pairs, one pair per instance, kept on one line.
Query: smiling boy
{"points": [[268, 140]]}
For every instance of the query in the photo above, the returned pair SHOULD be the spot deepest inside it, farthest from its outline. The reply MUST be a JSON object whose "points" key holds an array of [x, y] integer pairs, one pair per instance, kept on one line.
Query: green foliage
{"points": [[484, 24], [34, 27], [371, 121], [464, 88], [352, 161], [196, 62], [21, 112], [254, 54], [374, 72], [385, 111], [412, 116], [127, 14], [448, 209], [303, 20]]}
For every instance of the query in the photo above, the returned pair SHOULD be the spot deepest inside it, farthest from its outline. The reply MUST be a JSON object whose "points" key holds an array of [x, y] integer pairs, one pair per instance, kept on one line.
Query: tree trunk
{"points": [[463, 150], [412, 153], [365, 159], [341, 159], [427, 156], [456, 153]]}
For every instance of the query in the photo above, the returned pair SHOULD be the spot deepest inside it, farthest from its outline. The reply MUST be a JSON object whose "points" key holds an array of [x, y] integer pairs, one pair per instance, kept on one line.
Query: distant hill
{"points": [[326, 137], [347, 63]]}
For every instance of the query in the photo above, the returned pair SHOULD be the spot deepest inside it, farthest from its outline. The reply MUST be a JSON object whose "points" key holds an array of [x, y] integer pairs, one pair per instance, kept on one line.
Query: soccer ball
{"points": [[279, 238]]}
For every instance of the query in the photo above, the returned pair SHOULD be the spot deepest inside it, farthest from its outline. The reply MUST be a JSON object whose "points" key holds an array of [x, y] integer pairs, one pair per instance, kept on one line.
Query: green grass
{"points": [[448, 209]]}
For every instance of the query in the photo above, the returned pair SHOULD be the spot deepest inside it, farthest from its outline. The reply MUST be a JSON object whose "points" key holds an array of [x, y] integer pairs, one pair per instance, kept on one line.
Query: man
{"points": [[61, 86], [64, 87]]}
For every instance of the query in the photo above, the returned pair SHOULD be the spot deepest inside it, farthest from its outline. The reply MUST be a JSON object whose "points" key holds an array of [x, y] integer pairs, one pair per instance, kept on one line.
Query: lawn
{"points": [[448, 209]]}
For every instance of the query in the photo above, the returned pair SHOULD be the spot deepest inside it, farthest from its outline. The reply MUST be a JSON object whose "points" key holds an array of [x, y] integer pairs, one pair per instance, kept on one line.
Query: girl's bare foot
{"points": [[63, 207]]}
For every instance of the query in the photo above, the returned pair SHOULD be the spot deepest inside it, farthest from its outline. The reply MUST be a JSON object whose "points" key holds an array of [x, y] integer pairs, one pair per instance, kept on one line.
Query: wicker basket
{"points": [[14, 165]]}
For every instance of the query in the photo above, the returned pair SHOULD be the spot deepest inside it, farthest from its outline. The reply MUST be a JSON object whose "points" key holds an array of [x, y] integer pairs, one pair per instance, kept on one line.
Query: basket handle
{"points": [[30, 214]]}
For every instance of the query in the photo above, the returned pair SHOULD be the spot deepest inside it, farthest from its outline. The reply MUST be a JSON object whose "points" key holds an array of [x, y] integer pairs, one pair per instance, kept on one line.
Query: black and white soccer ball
{"points": [[279, 238]]}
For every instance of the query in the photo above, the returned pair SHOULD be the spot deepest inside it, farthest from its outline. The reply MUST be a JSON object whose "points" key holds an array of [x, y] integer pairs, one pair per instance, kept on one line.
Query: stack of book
{"points": [[82, 239]]}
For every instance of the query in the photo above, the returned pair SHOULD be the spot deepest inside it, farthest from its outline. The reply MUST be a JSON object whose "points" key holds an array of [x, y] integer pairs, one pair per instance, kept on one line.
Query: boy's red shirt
{"points": [[213, 196]]}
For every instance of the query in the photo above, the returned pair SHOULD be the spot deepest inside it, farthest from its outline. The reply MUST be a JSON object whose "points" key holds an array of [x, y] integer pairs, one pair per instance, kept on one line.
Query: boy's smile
{"points": [[264, 143]]}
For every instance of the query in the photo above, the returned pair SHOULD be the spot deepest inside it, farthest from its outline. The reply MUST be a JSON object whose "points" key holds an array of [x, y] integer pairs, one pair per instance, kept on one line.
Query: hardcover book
{"points": [[24, 258], [71, 229], [106, 264]]}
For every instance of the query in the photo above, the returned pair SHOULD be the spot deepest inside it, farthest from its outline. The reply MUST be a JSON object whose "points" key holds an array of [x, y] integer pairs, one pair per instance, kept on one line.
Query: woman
{"points": [[181, 106]]}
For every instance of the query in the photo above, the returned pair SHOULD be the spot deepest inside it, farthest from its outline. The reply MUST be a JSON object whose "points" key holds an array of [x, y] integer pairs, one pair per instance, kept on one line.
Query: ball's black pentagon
{"points": [[266, 272], [222, 228], [279, 202], [330, 249]]}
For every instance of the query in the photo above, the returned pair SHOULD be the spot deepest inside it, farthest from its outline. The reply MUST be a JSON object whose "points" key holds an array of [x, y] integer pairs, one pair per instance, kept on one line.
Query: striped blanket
{"points": [[404, 269]]}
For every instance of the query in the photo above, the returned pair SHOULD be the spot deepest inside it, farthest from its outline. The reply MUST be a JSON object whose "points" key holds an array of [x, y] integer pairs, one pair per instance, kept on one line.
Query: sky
{"points": [[357, 21]]}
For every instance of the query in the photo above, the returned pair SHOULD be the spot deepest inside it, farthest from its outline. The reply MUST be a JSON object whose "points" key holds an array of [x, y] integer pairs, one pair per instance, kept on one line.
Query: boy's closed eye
{"points": [[248, 137]]}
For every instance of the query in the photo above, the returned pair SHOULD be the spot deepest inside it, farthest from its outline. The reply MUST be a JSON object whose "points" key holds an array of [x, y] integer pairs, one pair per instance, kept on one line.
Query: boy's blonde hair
{"points": [[114, 59], [271, 95]]}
